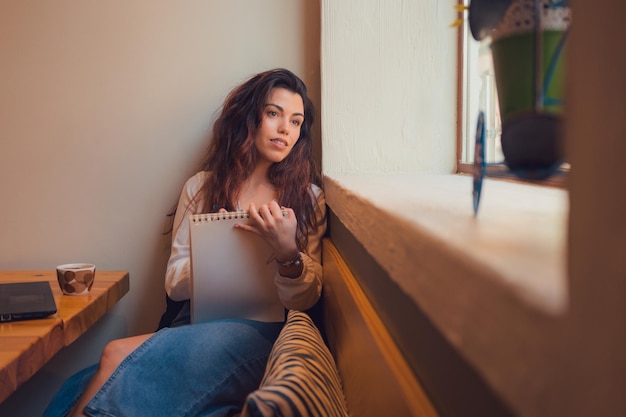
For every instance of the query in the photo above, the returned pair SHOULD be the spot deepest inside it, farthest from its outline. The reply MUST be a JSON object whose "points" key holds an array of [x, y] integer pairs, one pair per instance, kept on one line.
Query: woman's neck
{"points": [[256, 189]]}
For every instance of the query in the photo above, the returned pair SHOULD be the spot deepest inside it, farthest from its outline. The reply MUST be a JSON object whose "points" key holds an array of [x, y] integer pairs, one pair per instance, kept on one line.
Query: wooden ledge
{"points": [[376, 378], [494, 285]]}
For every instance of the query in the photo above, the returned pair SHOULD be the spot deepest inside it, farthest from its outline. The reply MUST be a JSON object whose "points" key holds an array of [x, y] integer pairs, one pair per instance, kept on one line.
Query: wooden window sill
{"points": [[493, 284]]}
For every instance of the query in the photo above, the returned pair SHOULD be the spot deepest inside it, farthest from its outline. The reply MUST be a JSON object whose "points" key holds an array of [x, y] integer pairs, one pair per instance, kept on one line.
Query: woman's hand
{"points": [[278, 230]]}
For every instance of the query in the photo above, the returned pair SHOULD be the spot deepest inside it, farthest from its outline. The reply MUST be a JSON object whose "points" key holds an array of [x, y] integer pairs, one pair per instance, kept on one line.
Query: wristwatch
{"points": [[297, 261]]}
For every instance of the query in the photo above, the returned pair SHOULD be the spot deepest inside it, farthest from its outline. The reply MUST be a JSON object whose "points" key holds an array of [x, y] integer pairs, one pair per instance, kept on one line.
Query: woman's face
{"points": [[279, 130]]}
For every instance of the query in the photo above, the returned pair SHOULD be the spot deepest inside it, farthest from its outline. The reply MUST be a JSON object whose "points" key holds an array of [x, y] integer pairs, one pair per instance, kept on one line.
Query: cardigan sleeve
{"points": [[177, 275]]}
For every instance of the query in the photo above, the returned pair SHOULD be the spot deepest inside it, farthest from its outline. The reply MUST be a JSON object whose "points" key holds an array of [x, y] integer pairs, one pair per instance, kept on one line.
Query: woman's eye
{"points": [[272, 113], [296, 122]]}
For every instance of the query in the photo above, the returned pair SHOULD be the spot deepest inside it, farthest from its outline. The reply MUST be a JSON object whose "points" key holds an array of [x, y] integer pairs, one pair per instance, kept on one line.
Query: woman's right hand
{"points": [[278, 230]]}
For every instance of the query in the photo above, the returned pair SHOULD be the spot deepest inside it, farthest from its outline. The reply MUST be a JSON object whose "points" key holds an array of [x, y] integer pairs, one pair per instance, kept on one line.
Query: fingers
{"points": [[256, 224], [268, 221], [271, 223], [254, 214], [267, 213], [262, 218], [290, 213]]}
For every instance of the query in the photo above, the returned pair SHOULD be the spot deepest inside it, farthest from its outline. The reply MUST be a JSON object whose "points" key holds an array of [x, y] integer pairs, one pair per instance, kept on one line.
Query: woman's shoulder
{"points": [[200, 176], [197, 180], [318, 196], [317, 191]]}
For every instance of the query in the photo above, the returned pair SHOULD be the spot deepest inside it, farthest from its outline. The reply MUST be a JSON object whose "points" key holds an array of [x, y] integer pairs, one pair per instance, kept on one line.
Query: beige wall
{"points": [[104, 110], [389, 86]]}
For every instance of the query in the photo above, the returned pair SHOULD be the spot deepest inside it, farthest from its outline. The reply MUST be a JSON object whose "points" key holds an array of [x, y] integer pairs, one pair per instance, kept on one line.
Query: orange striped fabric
{"points": [[301, 378]]}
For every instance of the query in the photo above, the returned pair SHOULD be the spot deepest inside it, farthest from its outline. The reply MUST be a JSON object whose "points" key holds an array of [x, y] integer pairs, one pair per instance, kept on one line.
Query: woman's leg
{"points": [[113, 354], [204, 369], [67, 396]]}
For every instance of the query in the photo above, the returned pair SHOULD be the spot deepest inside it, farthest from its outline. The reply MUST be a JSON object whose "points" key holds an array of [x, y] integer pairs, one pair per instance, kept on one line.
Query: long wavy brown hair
{"points": [[231, 155]]}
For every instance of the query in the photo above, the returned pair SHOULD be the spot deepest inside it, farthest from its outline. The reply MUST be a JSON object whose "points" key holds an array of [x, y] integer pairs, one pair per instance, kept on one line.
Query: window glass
{"points": [[479, 93]]}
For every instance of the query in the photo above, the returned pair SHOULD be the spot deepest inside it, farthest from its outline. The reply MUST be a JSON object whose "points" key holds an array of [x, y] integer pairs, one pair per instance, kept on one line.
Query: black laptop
{"points": [[26, 300]]}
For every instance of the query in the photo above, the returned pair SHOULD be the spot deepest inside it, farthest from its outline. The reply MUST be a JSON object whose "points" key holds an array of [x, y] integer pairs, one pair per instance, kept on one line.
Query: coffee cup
{"points": [[76, 279]]}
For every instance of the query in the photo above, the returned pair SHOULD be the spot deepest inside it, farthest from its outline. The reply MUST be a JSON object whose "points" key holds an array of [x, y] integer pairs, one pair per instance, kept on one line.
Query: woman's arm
{"points": [[177, 281], [304, 291]]}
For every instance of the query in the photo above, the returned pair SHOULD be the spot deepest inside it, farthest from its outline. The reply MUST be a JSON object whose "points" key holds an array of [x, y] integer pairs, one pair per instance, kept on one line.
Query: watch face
{"points": [[294, 262]]}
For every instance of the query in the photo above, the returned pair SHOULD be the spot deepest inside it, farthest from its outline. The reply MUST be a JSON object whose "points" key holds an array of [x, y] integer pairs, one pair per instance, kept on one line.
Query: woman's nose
{"points": [[284, 126]]}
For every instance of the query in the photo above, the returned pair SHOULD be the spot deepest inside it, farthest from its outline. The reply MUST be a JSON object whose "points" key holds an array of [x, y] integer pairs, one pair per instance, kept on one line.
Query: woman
{"points": [[259, 158]]}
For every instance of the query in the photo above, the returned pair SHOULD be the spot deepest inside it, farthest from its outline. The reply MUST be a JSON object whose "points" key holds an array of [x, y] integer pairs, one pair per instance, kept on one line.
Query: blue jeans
{"points": [[198, 370]]}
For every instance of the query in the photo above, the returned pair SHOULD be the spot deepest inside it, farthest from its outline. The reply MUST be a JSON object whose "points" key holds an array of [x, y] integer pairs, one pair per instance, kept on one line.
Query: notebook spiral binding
{"points": [[212, 217]]}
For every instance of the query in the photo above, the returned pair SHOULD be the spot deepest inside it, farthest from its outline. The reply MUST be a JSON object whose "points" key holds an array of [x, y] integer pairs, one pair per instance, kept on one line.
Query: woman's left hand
{"points": [[277, 229]]}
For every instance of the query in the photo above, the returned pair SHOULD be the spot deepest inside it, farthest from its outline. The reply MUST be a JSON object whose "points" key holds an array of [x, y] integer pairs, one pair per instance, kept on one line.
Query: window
{"points": [[477, 92]]}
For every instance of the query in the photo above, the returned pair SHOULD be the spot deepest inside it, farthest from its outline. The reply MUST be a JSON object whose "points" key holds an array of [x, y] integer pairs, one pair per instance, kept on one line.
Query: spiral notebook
{"points": [[232, 270]]}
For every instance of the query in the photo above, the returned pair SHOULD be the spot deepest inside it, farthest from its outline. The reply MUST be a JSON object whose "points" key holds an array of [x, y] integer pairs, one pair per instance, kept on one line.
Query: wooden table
{"points": [[26, 346]]}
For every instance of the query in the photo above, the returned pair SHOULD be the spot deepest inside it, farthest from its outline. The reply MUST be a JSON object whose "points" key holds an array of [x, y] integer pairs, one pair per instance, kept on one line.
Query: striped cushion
{"points": [[301, 377]]}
